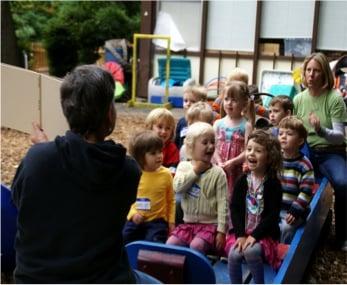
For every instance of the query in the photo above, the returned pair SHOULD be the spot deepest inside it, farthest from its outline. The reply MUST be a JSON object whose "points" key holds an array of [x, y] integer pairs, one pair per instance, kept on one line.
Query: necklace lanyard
{"points": [[255, 190]]}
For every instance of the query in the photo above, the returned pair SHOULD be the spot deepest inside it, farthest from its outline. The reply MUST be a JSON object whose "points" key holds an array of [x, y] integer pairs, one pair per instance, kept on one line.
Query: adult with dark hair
{"points": [[323, 113], [73, 193]]}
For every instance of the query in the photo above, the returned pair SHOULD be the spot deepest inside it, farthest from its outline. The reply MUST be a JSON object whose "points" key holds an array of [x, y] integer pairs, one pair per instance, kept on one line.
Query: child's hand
{"points": [[220, 242], [37, 135], [201, 166], [245, 167], [138, 219], [239, 243], [229, 165], [290, 219], [250, 241]]}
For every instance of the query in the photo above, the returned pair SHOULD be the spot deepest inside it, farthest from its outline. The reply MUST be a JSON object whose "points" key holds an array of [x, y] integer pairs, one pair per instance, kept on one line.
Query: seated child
{"points": [[255, 208], [204, 189], [191, 95], [280, 106], [297, 177], [153, 213], [198, 112], [162, 122]]}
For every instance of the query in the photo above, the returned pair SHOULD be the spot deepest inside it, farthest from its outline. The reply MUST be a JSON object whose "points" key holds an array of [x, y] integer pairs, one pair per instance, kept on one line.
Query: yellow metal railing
{"points": [[133, 102]]}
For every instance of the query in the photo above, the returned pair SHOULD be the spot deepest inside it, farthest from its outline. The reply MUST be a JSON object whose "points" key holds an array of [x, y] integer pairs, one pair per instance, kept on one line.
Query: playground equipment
{"points": [[180, 77], [133, 102]]}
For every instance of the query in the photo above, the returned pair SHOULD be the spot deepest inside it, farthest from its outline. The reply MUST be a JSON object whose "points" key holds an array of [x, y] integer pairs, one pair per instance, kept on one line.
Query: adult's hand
{"points": [[37, 135], [314, 121]]}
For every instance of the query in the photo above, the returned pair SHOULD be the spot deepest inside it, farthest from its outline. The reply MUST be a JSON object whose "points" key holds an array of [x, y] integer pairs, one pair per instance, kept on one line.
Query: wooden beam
{"points": [[256, 42], [148, 18], [203, 41], [10, 52], [315, 26]]}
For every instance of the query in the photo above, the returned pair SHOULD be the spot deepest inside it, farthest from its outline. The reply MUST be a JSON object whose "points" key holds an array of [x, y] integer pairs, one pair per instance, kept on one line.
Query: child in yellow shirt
{"points": [[153, 214]]}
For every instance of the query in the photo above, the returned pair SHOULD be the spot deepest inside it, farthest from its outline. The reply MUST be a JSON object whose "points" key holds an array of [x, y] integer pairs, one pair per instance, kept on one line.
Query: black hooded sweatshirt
{"points": [[72, 199]]}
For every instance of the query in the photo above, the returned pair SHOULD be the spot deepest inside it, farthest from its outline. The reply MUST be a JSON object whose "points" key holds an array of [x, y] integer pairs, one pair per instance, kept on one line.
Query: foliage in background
{"points": [[30, 18], [72, 31], [73, 36]]}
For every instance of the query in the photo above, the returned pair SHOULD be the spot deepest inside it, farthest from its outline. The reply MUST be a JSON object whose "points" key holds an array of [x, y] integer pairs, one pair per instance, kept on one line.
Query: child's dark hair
{"points": [[285, 102], [85, 96], [273, 149], [143, 142], [294, 123]]}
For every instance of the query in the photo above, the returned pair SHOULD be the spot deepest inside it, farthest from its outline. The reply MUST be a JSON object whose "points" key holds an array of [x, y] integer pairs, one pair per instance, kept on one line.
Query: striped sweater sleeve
{"points": [[297, 185]]}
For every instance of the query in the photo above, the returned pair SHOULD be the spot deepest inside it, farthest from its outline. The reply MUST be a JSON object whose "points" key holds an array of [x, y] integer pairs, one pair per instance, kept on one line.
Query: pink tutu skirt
{"points": [[187, 232]]}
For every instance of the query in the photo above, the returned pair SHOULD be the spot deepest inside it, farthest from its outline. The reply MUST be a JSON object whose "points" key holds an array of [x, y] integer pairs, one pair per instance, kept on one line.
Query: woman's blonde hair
{"points": [[328, 79], [195, 131], [157, 115], [273, 148]]}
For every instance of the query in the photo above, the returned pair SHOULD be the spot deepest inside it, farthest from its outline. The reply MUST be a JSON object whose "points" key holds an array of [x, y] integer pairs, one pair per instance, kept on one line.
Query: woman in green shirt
{"points": [[323, 112]]}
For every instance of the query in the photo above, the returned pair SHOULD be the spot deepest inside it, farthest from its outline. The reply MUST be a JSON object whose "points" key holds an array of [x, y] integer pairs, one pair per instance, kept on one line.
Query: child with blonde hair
{"points": [[232, 132], [237, 74], [203, 188], [297, 177], [162, 122], [255, 208], [153, 214], [198, 112], [191, 95]]}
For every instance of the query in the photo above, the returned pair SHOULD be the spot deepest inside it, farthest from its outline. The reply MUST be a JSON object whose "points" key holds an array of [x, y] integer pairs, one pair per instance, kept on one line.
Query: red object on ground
{"points": [[116, 70]]}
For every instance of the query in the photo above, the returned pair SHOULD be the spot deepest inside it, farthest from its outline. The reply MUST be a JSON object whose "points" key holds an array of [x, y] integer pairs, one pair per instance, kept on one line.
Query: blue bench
{"points": [[197, 268], [8, 230]]}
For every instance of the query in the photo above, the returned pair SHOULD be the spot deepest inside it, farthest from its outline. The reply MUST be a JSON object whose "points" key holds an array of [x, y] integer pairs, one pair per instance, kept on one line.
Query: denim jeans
{"points": [[253, 256], [334, 167], [287, 230]]}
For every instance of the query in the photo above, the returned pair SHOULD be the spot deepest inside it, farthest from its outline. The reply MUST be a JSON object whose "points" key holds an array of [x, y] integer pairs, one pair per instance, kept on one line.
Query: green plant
{"points": [[78, 28], [30, 18]]}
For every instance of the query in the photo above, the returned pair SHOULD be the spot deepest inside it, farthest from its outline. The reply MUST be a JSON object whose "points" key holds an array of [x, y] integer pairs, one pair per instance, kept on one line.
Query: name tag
{"points": [[183, 132], [194, 191], [143, 204]]}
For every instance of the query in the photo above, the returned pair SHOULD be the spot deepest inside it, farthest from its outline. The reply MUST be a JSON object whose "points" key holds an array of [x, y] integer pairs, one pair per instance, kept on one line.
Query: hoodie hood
{"points": [[91, 165]]}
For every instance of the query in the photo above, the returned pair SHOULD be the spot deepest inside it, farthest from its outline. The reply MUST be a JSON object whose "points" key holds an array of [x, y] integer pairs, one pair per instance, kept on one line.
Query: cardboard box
{"points": [[269, 49]]}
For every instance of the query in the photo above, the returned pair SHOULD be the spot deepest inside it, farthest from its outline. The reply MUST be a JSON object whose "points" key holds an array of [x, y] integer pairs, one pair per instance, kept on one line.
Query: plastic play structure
{"points": [[180, 77]]}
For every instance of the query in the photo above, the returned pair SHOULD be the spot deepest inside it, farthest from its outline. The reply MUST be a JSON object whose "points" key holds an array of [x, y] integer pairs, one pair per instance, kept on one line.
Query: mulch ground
{"points": [[328, 265]]}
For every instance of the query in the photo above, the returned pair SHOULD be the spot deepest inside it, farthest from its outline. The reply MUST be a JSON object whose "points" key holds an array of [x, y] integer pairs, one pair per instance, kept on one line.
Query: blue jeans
{"points": [[334, 167], [156, 231], [287, 230], [144, 278], [253, 256]]}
